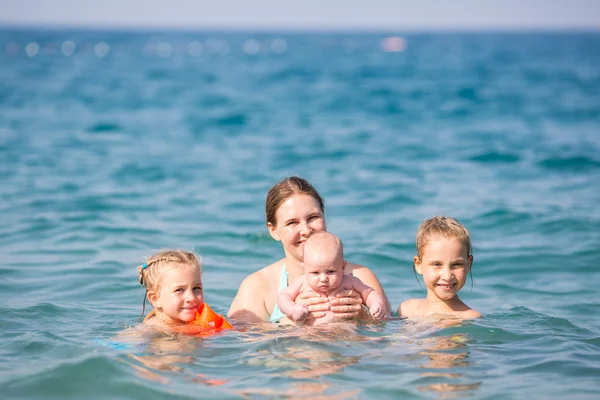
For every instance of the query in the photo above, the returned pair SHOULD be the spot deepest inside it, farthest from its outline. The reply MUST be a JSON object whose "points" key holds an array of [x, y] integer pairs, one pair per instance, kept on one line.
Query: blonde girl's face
{"points": [[297, 219], [444, 266], [179, 295]]}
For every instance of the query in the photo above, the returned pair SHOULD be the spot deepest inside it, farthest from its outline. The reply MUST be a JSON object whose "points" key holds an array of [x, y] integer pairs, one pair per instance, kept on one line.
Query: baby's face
{"points": [[324, 272]]}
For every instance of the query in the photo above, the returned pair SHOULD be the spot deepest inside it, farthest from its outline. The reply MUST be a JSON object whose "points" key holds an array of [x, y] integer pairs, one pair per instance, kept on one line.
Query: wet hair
{"points": [[152, 271], [447, 227], [285, 189]]}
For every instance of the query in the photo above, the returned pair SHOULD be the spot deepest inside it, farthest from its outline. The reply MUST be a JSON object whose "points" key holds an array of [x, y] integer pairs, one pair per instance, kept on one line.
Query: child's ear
{"points": [[153, 299], [273, 231], [417, 264], [470, 262], [344, 266]]}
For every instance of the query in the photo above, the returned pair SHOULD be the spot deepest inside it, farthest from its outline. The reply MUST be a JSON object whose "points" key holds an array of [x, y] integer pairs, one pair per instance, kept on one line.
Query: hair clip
{"points": [[144, 266]]}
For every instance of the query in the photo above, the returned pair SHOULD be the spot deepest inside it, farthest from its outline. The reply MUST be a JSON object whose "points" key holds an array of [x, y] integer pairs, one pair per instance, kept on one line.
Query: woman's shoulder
{"points": [[351, 268], [264, 277], [256, 296], [361, 272]]}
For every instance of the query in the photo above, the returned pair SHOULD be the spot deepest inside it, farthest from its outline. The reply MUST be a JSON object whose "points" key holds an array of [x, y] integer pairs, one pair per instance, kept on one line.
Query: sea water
{"points": [[114, 145]]}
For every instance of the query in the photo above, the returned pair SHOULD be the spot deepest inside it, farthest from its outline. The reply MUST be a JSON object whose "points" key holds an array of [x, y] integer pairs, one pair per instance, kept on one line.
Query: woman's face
{"points": [[297, 218]]}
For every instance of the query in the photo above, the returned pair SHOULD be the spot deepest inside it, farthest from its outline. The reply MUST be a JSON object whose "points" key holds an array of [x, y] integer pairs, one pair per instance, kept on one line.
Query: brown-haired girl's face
{"points": [[297, 218]]}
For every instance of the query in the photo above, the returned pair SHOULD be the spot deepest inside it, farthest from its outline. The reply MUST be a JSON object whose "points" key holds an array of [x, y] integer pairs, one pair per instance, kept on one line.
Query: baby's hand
{"points": [[300, 313], [377, 311]]}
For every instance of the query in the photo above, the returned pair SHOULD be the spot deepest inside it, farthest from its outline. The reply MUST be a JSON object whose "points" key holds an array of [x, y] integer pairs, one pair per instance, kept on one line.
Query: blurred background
{"points": [[127, 127]]}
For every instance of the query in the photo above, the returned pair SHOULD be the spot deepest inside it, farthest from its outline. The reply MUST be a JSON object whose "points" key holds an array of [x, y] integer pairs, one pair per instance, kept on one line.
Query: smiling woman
{"points": [[295, 211]]}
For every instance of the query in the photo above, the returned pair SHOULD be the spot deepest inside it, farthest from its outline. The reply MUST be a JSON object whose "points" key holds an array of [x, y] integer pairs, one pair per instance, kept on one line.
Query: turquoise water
{"points": [[105, 160]]}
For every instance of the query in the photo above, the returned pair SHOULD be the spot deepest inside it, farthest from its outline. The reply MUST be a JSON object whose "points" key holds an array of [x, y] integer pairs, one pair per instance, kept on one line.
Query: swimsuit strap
{"points": [[283, 277], [276, 315]]}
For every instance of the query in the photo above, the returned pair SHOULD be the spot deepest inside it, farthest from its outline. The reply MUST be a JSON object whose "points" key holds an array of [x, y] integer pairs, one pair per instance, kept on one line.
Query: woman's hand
{"points": [[316, 304], [347, 305]]}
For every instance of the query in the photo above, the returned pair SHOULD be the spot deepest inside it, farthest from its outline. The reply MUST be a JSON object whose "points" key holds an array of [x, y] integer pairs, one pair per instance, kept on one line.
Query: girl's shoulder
{"points": [[409, 307], [468, 314]]}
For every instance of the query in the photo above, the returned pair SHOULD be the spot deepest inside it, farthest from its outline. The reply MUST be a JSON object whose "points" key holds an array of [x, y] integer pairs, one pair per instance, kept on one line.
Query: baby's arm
{"points": [[370, 298], [286, 301]]}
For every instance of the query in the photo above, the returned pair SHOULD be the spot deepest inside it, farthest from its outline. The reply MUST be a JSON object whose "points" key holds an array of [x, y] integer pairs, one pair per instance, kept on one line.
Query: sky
{"points": [[305, 14]]}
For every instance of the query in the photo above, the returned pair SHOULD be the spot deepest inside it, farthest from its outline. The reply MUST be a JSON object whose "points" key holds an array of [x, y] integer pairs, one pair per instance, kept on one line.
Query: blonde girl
{"points": [[173, 284], [444, 260]]}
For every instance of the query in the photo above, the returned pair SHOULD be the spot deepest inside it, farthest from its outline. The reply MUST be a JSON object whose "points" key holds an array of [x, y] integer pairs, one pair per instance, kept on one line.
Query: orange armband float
{"points": [[207, 322]]}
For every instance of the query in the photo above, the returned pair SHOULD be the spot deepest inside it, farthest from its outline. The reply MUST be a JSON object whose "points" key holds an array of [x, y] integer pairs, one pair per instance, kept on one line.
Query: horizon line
{"points": [[5, 25]]}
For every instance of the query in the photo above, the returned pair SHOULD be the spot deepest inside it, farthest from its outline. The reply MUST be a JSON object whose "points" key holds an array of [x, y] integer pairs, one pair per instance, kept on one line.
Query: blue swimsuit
{"points": [[276, 315]]}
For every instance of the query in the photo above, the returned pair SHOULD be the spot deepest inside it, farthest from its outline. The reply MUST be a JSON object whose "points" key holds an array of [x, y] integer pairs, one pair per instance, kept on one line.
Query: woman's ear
{"points": [[417, 264], [273, 231]]}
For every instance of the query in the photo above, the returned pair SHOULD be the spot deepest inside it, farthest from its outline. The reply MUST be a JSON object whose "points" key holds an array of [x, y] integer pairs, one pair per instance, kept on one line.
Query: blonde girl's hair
{"points": [[447, 227], [151, 272]]}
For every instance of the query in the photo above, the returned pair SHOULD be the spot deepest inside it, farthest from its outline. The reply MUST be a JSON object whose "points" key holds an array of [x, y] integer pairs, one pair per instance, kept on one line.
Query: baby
{"points": [[324, 267]]}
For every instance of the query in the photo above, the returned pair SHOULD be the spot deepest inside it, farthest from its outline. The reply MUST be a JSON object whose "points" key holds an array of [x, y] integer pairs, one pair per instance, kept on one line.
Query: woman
{"points": [[295, 210]]}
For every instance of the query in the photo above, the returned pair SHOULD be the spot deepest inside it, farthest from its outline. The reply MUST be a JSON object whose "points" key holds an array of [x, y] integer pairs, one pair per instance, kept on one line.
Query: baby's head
{"points": [[446, 227], [160, 267], [324, 263]]}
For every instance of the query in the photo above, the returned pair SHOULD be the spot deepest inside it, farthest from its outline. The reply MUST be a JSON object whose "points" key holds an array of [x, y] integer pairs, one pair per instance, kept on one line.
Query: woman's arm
{"points": [[249, 302]]}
